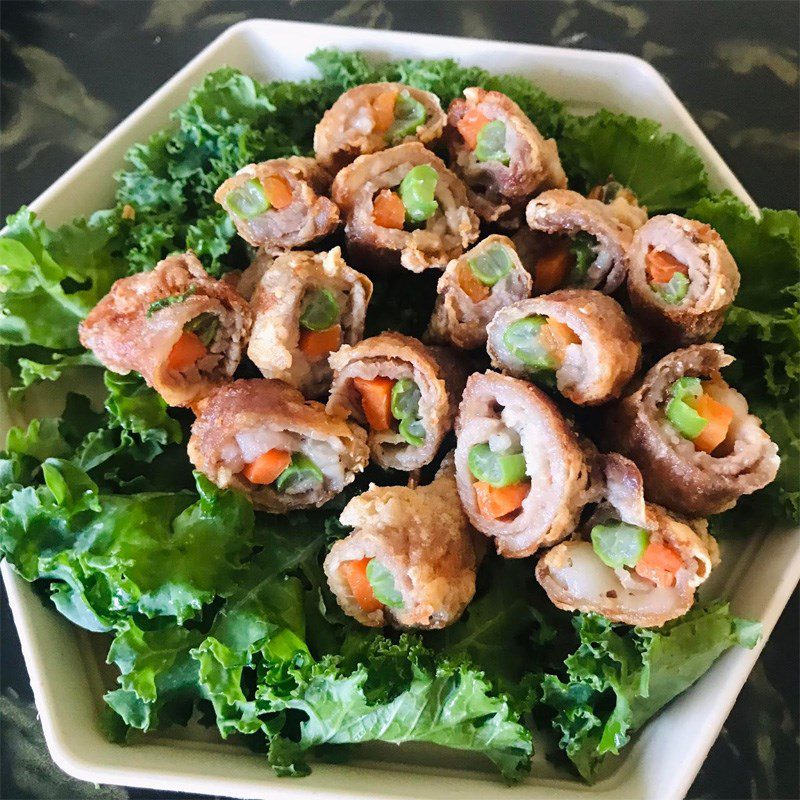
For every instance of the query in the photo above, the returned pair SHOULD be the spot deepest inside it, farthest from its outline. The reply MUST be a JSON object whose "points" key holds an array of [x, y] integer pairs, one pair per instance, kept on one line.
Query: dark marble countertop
{"points": [[72, 70]]}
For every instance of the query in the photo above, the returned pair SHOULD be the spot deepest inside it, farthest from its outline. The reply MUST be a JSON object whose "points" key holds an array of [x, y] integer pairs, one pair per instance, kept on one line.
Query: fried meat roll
{"points": [[473, 288], [522, 475], [182, 330], [691, 436], [264, 438], [280, 203], [500, 154], [305, 306], [405, 392], [410, 561], [374, 116], [589, 245], [581, 335], [403, 206], [681, 279], [630, 561]]}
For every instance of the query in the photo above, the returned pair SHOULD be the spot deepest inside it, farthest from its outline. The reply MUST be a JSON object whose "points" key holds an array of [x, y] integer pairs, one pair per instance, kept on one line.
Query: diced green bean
{"points": [[492, 265], [383, 586], [523, 340], [674, 290], [409, 114], [405, 399], [491, 143], [417, 192], [582, 246], [412, 430], [248, 201], [319, 310], [618, 544], [496, 469], [301, 475], [681, 415]]}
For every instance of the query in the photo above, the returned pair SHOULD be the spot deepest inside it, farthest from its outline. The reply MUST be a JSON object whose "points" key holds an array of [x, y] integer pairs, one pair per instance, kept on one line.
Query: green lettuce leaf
{"points": [[664, 171], [619, 677]]}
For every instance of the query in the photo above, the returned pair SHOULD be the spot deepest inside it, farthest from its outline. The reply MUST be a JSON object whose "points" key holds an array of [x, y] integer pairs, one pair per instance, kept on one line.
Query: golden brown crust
{"points": [[713, 276], [125, 337], [395, 356], [309, 217], [346, 130], [461, 321], [677, 475], [277, 302], [499, 192], [423, 538], [594, 371], [274, 407], [446, 234], [555, 462], [561, 211]]}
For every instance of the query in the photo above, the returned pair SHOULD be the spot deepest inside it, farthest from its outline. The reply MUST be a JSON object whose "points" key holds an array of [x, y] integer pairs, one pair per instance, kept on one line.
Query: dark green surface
{"points": [[73, 70]]}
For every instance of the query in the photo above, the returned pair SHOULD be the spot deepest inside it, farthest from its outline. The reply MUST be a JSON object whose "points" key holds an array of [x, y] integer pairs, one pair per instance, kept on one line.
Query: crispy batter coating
{"points": [[127, 332], [423, 538]]}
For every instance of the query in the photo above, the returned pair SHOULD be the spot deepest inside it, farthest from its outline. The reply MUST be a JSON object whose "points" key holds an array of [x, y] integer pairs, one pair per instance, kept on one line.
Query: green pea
{"points": [[204, 326], [412, 430], [417, 191], [492, 265], [383, 586], [681, 415], [618, 544], [491, 143], [523, 340], [674, 290], [405, 399], [248, 201], [301, 475], [319, 310], [409, 114], [496, 469]]}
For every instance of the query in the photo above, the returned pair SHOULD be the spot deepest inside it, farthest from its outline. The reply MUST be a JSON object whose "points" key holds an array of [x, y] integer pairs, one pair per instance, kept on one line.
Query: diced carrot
{"points": [[383, 110], [266, 468], [562, 332], [376, 400], [661, 266], [719, 419], [498, 502], [315, 344], [470, 125], [388, 210], [277, 191], [551, 269], [659, 564], [474, 289], [355, 573], [185, 351]]}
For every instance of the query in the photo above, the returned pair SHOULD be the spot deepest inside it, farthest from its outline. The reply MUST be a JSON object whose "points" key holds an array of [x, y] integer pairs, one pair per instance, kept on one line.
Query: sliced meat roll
{"points": [[264, 438], [183, 331], [500, 154], [589, 245], [403, 206], [404, 392], [280, 203], [473, 288], [374, 116], [305, 306], [581, 335], [411, 560], [691, 436], [681, 279], [630, 561], [522, 475]]}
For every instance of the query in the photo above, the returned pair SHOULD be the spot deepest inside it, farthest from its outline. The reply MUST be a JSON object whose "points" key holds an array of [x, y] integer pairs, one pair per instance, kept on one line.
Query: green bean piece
{"points": [[248, 201], [409, 114], [491, 143], [301, 475], [496, 469], [417, 191], [523, 340], [319, 310], [492, 265], [618, 544]]}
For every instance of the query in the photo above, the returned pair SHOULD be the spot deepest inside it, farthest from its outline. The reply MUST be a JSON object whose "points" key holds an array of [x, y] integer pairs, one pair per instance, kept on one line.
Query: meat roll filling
{"points": [[410, 562], [630, 561], [404, 205], [621, 202], [374, 116], [500, 154], [473, 288], [691, 436], [520, 470], [393, 385], [305, 307], [182, 330], [580, 336], [279, 203], [682, 278], [589, 244], [262, 437]]}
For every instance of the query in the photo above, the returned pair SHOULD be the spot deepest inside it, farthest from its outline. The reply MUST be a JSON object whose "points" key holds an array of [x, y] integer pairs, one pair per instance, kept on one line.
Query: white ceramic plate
{"points": [[66, 664]]}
